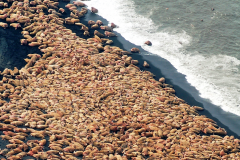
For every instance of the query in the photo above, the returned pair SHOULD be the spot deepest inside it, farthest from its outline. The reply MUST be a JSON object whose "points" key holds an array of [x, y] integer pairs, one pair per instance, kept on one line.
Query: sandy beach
{"points": [[81, 97]]}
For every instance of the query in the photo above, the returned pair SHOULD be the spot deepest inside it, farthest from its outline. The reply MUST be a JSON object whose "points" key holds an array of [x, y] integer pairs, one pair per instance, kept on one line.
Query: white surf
{"points": [[215, 77]]}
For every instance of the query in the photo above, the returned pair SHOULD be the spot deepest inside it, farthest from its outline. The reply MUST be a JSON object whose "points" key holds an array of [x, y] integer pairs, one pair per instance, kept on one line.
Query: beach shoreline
{"points": [[78, 80], [159, 66], [162, 68]]}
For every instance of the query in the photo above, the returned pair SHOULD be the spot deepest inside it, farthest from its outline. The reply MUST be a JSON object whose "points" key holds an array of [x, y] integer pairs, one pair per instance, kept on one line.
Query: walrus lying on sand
{"points": [[109, 34], [94, 10], [135, 50]]}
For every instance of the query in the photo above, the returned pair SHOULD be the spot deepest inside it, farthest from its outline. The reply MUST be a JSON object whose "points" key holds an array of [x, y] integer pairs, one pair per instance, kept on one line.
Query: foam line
{"points": [[214, 76]]}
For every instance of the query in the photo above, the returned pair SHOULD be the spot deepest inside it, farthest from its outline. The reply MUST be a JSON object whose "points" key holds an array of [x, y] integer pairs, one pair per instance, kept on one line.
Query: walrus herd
{"points": [[85, 99]]}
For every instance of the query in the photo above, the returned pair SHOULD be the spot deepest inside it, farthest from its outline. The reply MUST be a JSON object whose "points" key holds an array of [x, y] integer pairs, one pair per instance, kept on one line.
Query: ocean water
{"points": [[201, 39]]}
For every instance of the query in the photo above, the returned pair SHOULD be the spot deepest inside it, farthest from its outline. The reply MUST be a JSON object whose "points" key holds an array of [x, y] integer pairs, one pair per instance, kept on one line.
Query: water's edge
{"points": [[162, 68]]}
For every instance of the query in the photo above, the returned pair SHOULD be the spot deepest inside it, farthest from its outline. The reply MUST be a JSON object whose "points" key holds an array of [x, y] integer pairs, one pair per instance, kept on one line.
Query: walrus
{"points": [[34, 44], [145, 64], [23, 41], [73, 15], [61, 10], [10, 20], [106, 28], [135, 62], [3, 16], [95, 26], [33, 3], [84, 10], [135, 50], [69, 22], [94, 10], [109, 34], [4, 25], [113, 25], [98, 34], [162, 80], [69, 5], [99, 22], [91, 22], [79, 24], [125, 52], [5, 5], [86, 33], [148, 43], [25, 33], [23, 20], [15, 25], [72, 8], [78, 3], [85, 28], [109, 42]]}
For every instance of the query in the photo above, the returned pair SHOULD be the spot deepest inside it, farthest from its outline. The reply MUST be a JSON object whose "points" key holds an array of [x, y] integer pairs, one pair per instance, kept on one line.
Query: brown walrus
{"points": [[86, 33], [106, 28], [23, 41], [148, 43], [109, 34], [91, 22], [125, 52], [99, 22], [85, 28], [98, 34], [94, 10], [135, 50], [113, 25], [95, 26], [78, 3], [109, 42], [15, 25]]}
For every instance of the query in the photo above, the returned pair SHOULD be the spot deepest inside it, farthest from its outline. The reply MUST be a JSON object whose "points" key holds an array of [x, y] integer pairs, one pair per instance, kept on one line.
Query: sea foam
{"points": [[215, 76]]}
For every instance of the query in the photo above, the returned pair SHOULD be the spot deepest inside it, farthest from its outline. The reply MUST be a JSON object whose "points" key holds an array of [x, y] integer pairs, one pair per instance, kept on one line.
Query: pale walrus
{"points": [[145, 64], [4, 25]]}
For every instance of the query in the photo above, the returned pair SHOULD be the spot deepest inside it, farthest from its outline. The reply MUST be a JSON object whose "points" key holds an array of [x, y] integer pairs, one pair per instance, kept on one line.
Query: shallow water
{"points": [[205, 51]]}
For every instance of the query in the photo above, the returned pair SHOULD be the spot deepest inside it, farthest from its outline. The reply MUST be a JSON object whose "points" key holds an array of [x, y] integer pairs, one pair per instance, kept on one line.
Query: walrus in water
{"points": [[148, 43]]}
